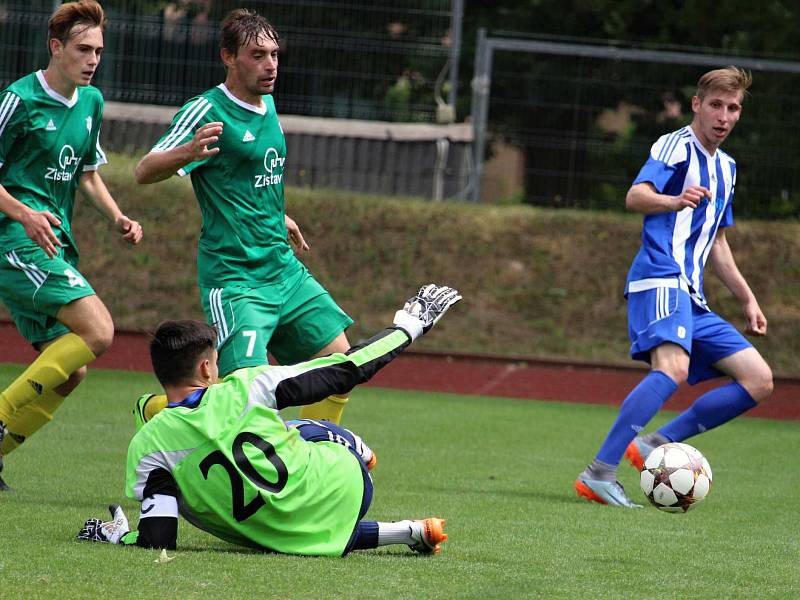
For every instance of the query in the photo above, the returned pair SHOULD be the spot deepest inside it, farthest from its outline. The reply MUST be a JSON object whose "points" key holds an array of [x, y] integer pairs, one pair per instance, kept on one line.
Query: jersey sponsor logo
{"points": [[273, 165], [51, 126], [68, 163], [248, 137]]}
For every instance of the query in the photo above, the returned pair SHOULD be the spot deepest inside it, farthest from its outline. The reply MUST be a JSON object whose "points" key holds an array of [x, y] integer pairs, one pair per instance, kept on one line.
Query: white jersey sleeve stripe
{"points": [[663, 150], [181, 122], [10, 103], [668, 150], [195, 114], [101, 158]]}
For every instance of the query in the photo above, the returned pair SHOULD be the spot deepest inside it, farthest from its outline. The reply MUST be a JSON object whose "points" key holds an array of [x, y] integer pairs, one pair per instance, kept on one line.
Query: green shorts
{"points": [[293, 319], [34, 287]]}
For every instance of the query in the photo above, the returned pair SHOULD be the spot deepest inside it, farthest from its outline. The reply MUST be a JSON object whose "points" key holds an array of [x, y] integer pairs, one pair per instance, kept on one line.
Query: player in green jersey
{"points": [[252, 287], [221, 456], [49, 127]]}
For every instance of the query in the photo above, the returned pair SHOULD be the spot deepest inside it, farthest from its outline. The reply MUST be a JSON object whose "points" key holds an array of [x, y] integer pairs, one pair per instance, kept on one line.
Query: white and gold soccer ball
{"points": [[675, 477]]}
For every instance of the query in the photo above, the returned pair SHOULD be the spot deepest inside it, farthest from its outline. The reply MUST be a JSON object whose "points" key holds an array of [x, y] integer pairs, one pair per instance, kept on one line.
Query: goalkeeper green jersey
{"points": [[239, 189], [247, 478], [241, 474], [46, 142]]}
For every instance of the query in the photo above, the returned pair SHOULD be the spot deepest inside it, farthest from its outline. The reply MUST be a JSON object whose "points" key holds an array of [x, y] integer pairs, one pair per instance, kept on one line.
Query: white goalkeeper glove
{"points": [[424, 310], [112, 532]]}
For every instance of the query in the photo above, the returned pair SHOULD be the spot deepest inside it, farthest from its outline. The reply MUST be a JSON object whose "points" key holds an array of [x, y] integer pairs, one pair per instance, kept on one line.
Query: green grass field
{"points": [[499, 470]]}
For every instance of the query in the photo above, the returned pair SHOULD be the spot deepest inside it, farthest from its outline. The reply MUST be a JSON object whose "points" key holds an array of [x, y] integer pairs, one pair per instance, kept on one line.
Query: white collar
{"points": [[699, 144], [261, 110], [68, 102]]}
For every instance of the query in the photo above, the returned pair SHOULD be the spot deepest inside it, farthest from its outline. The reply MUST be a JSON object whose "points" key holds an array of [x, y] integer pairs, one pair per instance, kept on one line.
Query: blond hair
{"points": [[729, 79]]}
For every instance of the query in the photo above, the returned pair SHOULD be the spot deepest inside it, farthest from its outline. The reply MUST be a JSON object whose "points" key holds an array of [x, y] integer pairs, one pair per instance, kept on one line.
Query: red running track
{"points": [[482, 376]]}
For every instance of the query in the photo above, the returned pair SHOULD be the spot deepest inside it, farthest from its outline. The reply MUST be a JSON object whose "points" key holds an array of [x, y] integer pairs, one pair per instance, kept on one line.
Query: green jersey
{"points": [[243, 475], [46, 143], [239, 189]]}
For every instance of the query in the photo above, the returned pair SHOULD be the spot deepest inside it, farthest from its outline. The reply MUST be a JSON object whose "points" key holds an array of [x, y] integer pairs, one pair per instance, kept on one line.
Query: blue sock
{"points": [[365, 537], [636, 411], [710, 410]]}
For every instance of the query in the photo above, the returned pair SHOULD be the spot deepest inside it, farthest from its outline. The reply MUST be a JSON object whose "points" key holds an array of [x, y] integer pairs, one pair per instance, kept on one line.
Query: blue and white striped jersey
{"points": [[678, 243]]}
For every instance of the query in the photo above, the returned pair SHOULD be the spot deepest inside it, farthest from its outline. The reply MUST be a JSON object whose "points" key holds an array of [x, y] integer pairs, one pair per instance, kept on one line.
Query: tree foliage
{"points": [[534, 97]]}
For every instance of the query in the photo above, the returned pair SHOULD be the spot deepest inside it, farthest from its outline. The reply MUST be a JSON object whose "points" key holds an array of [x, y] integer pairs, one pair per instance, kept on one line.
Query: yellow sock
{"points": [[29, 419], [328, 409], [52, 368], [147, 407]]}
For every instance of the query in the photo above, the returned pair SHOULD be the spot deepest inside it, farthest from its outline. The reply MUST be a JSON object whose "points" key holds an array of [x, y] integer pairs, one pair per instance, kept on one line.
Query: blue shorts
{"points": [[325, 431], [660, 315]]}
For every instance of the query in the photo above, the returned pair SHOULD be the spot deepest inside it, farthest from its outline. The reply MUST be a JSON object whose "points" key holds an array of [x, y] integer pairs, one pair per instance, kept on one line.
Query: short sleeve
{"points": [[13, 117], [192, 115], [667, 156], [95, 157], [727, 216]]}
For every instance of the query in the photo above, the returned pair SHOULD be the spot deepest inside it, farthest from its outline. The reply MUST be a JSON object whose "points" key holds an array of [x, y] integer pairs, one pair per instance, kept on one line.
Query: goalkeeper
{"points": [[221, 456]]}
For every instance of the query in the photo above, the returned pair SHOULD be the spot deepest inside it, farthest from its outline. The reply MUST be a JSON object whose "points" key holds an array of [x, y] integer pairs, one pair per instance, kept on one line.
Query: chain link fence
{"points": [[579, 121], [353, 59]]}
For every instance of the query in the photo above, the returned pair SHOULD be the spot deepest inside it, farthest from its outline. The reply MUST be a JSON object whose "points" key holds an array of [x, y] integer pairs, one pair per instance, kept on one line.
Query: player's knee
{"points": [[100, 335], [759, 384], [100, 338], [676, 371]]}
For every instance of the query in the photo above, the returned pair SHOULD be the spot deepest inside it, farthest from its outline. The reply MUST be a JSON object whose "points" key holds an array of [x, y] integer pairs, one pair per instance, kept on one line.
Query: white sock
{"points": [[398, 532]]}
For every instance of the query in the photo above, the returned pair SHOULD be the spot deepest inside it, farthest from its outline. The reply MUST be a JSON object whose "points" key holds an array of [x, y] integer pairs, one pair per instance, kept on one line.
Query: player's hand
{"points": [[37, 227], [111, 532], [426, 308], [131, 230], [691, 197], [756, 321], [295, 237], [204, 136]]}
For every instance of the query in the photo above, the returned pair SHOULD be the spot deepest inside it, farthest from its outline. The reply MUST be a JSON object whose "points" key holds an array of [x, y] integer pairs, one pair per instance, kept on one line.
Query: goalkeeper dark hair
{"points": [[243, 26], [177, 346]]}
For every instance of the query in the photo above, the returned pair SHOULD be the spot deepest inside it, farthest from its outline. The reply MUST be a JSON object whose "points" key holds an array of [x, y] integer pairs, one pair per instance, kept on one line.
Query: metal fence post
{"points": [[456, 19], [481, 84]]}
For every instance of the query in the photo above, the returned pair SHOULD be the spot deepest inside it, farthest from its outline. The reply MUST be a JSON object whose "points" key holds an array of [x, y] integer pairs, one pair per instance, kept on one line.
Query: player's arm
{"points": [[159, 165], [295, 237], [313, 380], [35, 222], [158, 518], [95, 188], [643, 198], [724, 266]]}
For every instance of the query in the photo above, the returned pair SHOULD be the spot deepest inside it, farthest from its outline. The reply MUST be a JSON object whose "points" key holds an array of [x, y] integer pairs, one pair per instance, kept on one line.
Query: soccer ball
{"points": [[675, 477]]}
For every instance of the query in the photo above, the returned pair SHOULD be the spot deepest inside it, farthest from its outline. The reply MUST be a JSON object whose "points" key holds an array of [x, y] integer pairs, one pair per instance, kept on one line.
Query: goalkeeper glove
{"points": [[424, 310], [112, 532]]}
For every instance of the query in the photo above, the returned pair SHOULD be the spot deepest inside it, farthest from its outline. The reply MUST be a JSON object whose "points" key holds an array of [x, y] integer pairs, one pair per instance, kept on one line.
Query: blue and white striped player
{"points": [[685, 192]]}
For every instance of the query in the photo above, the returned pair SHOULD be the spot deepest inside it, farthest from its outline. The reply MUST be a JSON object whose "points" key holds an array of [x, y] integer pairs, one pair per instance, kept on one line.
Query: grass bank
{"points": [[544, 283]]}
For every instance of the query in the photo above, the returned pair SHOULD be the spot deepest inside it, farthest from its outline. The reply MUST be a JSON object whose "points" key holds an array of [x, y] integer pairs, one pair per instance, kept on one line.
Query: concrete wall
{"points": [[398, 159]]}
